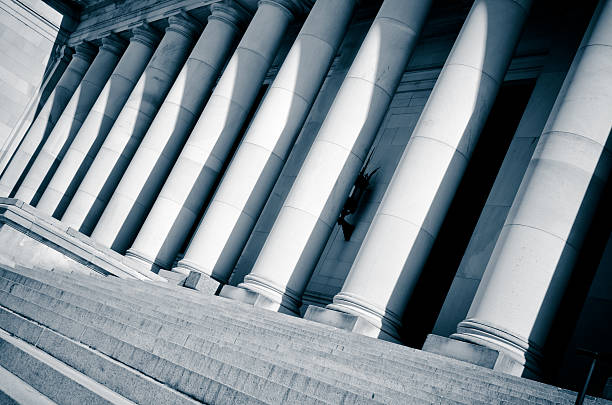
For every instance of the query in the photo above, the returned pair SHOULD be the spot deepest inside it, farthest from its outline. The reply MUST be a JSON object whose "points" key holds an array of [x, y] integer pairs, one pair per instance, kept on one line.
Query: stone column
{"points": [[536, 251], [394, 251], [257, 163], [99, 122], [46, 118], [70, 121], [151, 164], [298, 236], [198, 165], [132, 123], [62, 58]]}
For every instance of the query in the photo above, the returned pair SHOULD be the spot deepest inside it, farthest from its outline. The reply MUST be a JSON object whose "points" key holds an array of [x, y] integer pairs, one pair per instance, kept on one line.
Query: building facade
{"points": [[432, 173]]}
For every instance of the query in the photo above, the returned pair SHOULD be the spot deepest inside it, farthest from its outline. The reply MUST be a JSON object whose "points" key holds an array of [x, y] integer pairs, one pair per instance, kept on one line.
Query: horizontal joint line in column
{"points": [[309, 213], [315, 37], [180, 106], [233, 206], [441, 142], [419, 227], [541, 230], [166, 75], [291, 92], [92, 83], [372, 83], [264, 148], [476, 69], [214, 69], [498, 205], [525, 10], [123, 77], [598, 44], [397, 22], [255, 52], [337, 144], [578, 135], [231, 100]]}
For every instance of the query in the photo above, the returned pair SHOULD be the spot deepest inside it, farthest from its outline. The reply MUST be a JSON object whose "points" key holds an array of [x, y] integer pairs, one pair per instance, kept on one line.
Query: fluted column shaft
{"points": [[535, 254], [151, 164], [70, 121], [201, 159], [306, 219], [394, 251], [132, 123], [256, 165], [99, 122], [46, 118]]}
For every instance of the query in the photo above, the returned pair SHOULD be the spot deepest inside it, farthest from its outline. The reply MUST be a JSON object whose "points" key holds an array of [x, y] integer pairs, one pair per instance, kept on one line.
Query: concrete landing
{"points": [[32, 239]]}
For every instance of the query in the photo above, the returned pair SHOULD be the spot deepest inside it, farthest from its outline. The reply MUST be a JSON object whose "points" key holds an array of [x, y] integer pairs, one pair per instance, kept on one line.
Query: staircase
{"points": [[77, 339]]}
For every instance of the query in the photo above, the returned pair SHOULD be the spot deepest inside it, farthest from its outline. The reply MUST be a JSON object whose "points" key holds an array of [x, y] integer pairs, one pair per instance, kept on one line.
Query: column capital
{"points": [[184, 24], [65, 52], [85, 50], [145, 34], [113, 43], [231, 13]]}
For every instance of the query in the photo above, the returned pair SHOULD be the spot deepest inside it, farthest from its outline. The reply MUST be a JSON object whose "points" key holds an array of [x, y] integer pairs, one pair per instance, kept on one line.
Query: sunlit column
{"points": [[46, 118], [99, 121], [153, 160], [209, 144], [291, 251], [132, 123], [536, 251], [256, 165], [394, 251], [71, 120], [62, 58]]}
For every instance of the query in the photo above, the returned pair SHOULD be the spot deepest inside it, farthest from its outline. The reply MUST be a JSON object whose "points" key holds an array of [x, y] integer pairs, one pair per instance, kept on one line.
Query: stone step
{"points": [[13, 390], [553, 394], [224, 352], [102, 333], [443, 367], [521, 380], [404, 375], [49, 380]]}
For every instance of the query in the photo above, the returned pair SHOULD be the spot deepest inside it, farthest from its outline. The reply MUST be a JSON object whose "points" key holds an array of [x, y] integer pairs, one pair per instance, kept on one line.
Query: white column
{"points": [[298, 236], [71, 120], [99, 122], [248, 182], [62, 57], [394, 251], [46, 118], [153, 160], [202, 157], [132, 123], [537, 249]]}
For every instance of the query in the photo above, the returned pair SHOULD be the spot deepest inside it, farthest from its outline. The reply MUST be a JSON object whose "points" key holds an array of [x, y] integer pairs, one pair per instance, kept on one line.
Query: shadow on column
{"points": [[448, 249], [154, 183], [106, 124], [575, 286]]}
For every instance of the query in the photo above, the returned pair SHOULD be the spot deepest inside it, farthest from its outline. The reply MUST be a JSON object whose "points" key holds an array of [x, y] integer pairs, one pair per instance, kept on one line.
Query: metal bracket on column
{"points": [[350, 206]]}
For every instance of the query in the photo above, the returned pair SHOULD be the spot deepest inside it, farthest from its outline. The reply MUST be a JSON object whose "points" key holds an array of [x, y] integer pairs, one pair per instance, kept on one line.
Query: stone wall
{"points": [[31, 36]]}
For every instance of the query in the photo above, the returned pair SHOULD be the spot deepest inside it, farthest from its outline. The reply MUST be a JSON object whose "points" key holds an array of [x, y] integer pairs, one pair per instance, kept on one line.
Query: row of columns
{"points": [[153, 120]]}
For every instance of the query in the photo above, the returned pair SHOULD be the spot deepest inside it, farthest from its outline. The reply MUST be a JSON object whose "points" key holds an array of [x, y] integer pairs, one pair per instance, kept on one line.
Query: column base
{"points": [[474, 354], [350, 322], [202, 282], [254, 298], [495, 337], [172, 276], [141, 262]]}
